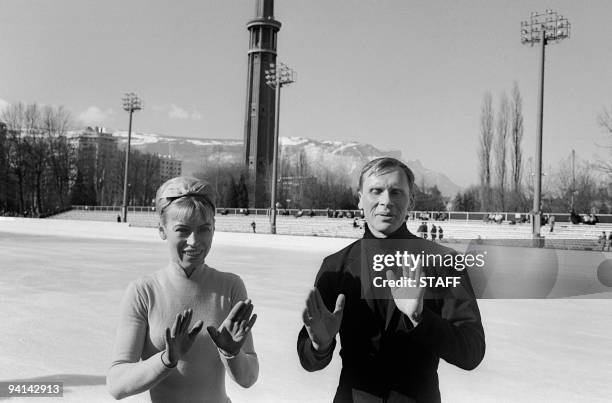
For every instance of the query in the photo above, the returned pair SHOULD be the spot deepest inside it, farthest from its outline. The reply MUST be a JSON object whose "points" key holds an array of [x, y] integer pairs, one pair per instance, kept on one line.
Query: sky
{"points": [[398, 74]]}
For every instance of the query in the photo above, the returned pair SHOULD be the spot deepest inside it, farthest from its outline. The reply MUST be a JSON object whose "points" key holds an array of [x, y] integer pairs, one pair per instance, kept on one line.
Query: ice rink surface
{"points": [[60, 294]]}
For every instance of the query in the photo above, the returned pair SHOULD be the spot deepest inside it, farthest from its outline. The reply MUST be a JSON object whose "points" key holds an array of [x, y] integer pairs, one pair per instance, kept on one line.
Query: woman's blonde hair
{"points": [[187, 195]]}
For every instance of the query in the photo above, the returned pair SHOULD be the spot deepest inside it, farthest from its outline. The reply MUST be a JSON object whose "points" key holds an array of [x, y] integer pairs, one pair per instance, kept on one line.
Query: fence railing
{"points": [[413, 215], [230, 211]]}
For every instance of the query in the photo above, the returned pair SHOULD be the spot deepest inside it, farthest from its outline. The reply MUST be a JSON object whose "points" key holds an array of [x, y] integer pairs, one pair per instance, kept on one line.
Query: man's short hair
{"points": [[383, 165]]}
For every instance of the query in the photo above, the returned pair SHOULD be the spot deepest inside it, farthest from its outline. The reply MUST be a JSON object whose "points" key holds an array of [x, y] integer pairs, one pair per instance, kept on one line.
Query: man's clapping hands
{"points": [[321, 324]]}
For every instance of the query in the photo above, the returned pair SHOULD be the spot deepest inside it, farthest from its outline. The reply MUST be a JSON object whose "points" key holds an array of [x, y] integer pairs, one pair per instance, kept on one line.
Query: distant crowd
{"points": [[303, 213], [605, 240], [434, 232], [589, 219]]}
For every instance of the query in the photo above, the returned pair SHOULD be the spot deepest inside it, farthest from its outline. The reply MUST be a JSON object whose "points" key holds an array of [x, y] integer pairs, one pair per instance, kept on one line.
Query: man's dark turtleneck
{"points": [[401, 233], [383, 301]]}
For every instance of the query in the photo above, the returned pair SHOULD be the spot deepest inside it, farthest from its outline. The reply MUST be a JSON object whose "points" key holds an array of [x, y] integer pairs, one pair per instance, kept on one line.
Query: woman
{"points": [[157, 348]]}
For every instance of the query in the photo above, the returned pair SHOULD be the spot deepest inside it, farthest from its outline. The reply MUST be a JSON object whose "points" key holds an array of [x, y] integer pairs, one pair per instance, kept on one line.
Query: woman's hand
{"points": [[179, 340], [233, 332]]}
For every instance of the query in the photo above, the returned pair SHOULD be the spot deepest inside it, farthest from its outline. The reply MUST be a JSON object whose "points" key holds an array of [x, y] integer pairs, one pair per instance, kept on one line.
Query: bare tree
{"points": [[144, 177], [63, 169], [582, 183], [500, 147], [13, 116], [45, 127], [38, 153], [105, 168], [5, 182], [605, 121], [217, 149], [36, 139], [56, 122], [516, 138], [484, 151]]}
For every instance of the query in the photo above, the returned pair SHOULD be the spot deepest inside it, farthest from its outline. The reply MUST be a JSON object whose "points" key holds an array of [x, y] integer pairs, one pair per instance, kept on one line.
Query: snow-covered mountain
{"points": [[346, 158]]}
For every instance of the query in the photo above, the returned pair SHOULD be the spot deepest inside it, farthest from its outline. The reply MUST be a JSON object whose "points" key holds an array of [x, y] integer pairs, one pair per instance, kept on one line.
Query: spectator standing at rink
{"points": [[602, 239], [517, 218], [609, 240], [391, 346], [499, 218], [434, 232], [551, 222], [156, 347], [254, 226], [422, 230], [574, 218], [440, 233]]}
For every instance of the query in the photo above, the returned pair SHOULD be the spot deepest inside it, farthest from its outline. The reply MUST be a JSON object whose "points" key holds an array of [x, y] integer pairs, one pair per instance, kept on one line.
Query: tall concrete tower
{"points": [[260, 99]]}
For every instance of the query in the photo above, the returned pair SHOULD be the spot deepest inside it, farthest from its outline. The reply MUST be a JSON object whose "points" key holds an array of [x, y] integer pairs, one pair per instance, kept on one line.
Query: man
{"points": [[390, 346], [422, 230], [551, 222]]}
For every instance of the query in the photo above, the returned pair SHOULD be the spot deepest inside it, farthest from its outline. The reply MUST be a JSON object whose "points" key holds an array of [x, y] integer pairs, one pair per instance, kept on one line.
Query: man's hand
{"points": [[409, 300], [233, 332], [179, 339], [321, 324]]}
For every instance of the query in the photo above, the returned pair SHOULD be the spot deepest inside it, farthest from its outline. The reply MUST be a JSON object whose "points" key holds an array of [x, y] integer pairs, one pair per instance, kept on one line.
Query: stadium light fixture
{"points": [[131, 103], [542, 28], [277, 78]]}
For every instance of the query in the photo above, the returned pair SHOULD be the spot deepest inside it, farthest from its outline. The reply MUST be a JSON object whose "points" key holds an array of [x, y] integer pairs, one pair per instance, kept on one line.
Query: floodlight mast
{"points": [[543, 28], [277, 78], [131, 103]]}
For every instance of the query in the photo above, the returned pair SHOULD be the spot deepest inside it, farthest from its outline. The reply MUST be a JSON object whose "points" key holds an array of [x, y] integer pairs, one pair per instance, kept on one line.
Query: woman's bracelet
{"points": [[163, 362], [226, 355]]}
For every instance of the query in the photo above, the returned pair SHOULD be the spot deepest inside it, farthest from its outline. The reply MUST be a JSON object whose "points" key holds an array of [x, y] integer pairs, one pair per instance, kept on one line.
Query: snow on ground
{"points": [[62, 283], [292, 141]]}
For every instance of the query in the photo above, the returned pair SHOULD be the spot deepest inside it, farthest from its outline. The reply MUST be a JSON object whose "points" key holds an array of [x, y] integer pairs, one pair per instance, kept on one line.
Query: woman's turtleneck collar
{"points": [[177, 270], [401, 233]]}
